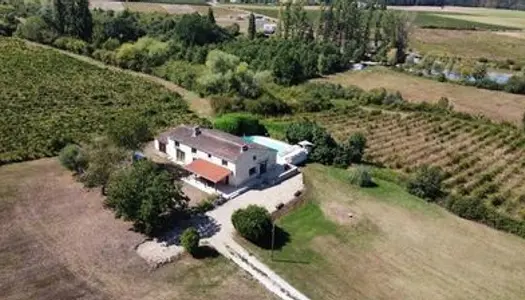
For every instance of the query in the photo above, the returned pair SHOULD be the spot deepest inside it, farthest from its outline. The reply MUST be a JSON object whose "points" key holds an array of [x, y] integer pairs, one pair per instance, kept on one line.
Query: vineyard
{"points": [[48, 99], [479, 158]]}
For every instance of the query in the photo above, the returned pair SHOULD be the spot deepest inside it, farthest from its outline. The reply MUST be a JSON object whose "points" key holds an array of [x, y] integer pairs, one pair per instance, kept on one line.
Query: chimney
{"points": [[244, 148], [196, 131]]}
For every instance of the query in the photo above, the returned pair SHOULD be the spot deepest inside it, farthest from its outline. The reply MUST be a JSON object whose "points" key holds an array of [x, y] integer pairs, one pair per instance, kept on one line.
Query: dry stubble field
{"points": [[58, 242], [498, 106]]}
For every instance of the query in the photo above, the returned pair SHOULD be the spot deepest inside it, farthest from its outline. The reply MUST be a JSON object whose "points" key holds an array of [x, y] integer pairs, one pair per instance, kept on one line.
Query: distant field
{"points": [[502, 17], [454, 21], [469, 44], [189, 2], [59, 242], [49, 98], [499, 106], [395, 246]]}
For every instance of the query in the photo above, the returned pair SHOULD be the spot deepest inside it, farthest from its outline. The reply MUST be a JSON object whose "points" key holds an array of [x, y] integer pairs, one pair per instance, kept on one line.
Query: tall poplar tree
{"points": [[211, 17], [59, 15], [251, 27]]}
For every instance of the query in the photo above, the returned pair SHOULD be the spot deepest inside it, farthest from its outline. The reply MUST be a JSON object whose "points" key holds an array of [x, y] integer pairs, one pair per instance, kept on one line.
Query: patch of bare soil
{"points": [[58, 242], [341, 213]]}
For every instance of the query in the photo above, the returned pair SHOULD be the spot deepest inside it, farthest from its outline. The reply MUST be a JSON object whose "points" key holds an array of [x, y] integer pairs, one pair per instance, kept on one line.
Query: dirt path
{"points": [[197, 104]]}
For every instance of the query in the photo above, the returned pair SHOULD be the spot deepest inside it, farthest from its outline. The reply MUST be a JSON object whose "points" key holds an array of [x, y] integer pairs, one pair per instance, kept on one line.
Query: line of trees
{"points": [[360, 31]]}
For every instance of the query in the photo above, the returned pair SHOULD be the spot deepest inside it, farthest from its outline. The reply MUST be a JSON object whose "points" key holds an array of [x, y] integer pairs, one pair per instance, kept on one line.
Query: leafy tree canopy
{"points": [[146, 195]]}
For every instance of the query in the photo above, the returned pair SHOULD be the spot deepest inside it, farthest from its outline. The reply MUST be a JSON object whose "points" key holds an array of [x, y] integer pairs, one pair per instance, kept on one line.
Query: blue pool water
{"points": [[281, 147]]}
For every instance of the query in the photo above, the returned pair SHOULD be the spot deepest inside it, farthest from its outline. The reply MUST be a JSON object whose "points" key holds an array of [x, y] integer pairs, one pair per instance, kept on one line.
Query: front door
{"points": [[162, 147], [263, 168]]}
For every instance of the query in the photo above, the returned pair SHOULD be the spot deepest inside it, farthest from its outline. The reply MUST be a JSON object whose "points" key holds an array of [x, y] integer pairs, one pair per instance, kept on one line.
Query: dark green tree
{"points": [[59, 15], [190, 240], [426, 183], [253, 223], [251, 27], [211, 17], [84, 20], [355, 146], [130, 133], [146, 195]]}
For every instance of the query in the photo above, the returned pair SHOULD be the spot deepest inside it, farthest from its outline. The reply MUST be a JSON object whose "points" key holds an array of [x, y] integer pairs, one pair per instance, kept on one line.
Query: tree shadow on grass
{"points": [[205, 252], [281, 238]]}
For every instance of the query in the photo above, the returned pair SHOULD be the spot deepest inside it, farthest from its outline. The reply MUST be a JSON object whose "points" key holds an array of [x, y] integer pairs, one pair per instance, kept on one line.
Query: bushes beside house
{"points": [[254, 223], [240, 124], [190, 240], [326, 150]]}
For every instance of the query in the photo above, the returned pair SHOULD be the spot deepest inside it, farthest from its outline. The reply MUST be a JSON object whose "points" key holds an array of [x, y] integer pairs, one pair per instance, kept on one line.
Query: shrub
{"points": [[205, 205], [223, 104], [253, 223], [190, 240], [36, 29], [182, 73], [374, 96], [352, 150], [325, 148], [73, 158], [516, 85], [267, 105], [313, 103], [71, 44], [361, 177], [426, 183], [240, 124]]}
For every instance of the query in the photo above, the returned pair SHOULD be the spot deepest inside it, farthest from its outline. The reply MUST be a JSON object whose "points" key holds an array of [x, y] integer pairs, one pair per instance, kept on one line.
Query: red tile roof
{"points": [[208, 170]]}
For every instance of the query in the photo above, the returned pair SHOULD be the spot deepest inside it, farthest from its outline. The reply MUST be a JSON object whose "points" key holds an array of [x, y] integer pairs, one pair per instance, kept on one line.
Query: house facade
{"points": [[216, 157]]}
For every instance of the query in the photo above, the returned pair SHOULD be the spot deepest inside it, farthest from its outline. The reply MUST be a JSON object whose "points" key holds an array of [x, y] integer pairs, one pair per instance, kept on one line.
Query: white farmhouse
{"points": [[216, 157]]}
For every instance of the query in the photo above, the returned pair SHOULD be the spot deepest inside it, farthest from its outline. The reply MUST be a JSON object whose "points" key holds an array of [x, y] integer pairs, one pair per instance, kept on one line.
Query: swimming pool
{"points": [[281, 147]]}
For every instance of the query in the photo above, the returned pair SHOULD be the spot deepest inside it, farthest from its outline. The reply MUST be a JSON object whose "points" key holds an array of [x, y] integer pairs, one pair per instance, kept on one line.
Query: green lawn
{"points": [[395, 246], [453, 21]]}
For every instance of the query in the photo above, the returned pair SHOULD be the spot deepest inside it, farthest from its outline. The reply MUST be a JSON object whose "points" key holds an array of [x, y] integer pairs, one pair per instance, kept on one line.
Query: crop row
{"points": [[479, 159], [48, 99]]}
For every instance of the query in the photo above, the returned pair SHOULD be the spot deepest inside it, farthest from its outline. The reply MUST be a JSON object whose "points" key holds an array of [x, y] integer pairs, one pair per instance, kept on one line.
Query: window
{"points": [[181, 156], [209, 155], [254, 157], [252, 171], [193, 150], [224, 163], [177, 144]]}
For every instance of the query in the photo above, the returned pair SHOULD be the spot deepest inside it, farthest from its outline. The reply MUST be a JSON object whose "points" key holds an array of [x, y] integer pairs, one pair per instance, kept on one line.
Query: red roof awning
{"points": [[208, 170]]}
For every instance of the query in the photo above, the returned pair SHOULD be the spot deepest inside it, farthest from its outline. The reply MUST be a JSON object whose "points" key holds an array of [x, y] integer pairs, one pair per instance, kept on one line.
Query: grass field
{"points": [[480, 159], [48, 98], [394, 247], [499, 106], [58, 242], [499, 17], [469, 44]]}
